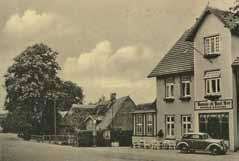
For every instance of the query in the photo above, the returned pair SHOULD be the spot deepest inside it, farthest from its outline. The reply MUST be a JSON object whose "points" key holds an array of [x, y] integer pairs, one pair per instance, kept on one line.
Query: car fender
{"points": [[214, 144], [182, 143]]}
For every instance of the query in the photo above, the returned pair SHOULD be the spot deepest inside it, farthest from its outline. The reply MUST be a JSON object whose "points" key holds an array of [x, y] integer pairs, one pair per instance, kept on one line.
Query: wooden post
{"points": [[55, 119]]}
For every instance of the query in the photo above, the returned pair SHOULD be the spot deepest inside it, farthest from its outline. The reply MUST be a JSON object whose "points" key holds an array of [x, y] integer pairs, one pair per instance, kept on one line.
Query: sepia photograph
{"points": [[119, 80]]}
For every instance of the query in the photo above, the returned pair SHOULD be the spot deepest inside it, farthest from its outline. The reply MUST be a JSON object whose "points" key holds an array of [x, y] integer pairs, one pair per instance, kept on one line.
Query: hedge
{"points": [[85, 138]]}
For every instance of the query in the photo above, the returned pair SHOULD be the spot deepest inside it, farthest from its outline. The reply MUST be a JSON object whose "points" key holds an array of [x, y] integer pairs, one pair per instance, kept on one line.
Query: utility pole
{"points": [[54, 111]]}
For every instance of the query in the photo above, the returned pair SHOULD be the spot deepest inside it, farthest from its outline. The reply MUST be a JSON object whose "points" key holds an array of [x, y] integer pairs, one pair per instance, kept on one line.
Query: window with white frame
{"points": [[213, 83], [149, 124], [186, 124], [185, 86], [212, 45], [169, 92], [170, 126], [139, 124]]}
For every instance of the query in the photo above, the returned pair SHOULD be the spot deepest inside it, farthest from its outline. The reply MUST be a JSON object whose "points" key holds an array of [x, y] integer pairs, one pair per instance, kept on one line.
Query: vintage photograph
{"points": [[119, 80]]}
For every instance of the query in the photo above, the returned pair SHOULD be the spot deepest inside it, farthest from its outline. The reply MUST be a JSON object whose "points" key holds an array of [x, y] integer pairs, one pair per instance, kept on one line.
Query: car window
{"points": [[196, 136], [185, 136]]}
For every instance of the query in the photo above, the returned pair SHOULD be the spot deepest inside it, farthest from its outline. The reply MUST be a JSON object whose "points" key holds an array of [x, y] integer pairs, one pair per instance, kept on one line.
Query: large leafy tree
{"points": [[33, 86], [71, 93]]}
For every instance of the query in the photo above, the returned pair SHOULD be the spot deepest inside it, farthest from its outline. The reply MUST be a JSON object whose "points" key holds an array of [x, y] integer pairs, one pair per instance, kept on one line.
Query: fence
{"points": [[56, 139]]}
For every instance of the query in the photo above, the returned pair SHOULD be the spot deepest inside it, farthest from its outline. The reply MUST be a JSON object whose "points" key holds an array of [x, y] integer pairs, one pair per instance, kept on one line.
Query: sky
{"points": [[104, 46]]}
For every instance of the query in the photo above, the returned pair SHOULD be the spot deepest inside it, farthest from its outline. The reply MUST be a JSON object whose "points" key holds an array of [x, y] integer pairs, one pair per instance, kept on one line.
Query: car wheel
{"points": [[215, 150], [184, 149]]}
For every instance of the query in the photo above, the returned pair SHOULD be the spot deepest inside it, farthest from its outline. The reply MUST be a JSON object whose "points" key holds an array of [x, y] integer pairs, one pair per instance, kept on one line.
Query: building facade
{"points": [[144, 122], [107, 114], [197, 80]]}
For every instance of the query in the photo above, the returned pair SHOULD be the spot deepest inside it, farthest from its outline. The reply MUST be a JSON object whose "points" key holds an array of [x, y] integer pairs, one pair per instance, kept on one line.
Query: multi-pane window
{"points": [[213, 83], [149, 124], [185, 86], [139, 124], [144, 124], [215, 124], [169, 88], [186, 124], [170, 126], [212, 44]]}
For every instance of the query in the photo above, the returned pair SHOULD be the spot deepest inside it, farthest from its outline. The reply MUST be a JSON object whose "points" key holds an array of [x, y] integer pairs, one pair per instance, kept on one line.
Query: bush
{"points": [[123, 137], [26, 136], [85, 138], [117, 135]]}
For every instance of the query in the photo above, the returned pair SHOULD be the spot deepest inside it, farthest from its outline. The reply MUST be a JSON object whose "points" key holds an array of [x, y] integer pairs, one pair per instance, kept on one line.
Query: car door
{"points": [[196, 142], [202, 143]]}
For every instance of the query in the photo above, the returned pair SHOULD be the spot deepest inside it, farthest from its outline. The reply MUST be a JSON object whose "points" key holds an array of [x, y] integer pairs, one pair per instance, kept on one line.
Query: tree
{"points": [[34, 91], [32, 83], [71, 94], [16, 122]]}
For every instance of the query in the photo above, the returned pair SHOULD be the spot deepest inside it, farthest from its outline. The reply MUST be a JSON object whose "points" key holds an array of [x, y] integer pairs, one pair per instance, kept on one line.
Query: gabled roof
{"points": [[179, 59], [229, 19], [110, 114], [94, 117], [63, 113], [101, 111]]}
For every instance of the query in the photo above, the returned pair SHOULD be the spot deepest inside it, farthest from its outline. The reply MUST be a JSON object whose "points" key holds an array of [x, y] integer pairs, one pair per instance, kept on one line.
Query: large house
{"points": [[104, 115], [198, 80]]}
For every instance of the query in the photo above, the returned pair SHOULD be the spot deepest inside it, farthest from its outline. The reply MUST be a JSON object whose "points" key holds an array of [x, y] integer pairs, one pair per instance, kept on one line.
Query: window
{"points": [[212, 45], [186, 124], [185, 86], [170, 126], [213, 83], [213, 86], [144, 124], [196, 136], [139, 124], [215, 124], [149, 124], [169, 88]]}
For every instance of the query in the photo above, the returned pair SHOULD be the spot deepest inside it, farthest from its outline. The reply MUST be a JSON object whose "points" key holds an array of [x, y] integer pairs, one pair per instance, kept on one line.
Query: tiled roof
{"points": [[114, 108], [179, 59], [229, 19], [102, 111]]}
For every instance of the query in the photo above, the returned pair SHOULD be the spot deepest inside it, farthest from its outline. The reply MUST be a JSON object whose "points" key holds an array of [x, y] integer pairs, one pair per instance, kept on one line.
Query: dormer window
{"points": [[212, 46]]}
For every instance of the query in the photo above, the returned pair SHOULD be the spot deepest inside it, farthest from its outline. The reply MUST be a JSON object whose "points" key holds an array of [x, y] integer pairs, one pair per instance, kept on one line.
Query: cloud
{"points": [[103, 70], [32, 23]]}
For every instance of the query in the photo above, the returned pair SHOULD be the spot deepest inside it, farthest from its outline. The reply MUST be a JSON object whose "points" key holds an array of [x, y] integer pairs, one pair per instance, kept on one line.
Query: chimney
{"points": [[112, 97]]}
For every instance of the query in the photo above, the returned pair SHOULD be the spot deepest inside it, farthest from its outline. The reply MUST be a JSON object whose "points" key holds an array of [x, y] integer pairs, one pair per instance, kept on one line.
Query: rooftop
{"points": [[179, 59]]}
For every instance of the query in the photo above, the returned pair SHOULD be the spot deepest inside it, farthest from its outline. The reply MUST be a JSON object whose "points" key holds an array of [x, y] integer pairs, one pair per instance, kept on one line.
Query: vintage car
{"points": [[192, 142]]}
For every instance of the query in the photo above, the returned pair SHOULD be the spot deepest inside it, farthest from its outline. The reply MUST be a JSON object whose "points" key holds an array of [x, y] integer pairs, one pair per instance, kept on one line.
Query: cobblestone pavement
{"points": [[14, 149]]}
